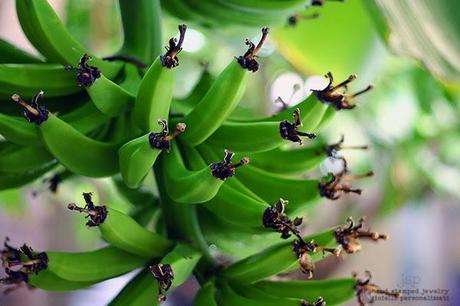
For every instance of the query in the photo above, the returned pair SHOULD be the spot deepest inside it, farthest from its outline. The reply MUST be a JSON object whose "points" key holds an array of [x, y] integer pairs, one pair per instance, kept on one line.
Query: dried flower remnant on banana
{"points": [[294, 19], [162, 140], [366, 291], [170, 59], [333, 186], [225, 169], [164, 275], [332, 151], [321, 2], [348, 236], [24, 257], [289, 130], [319, 302], [275, 218], [96, 214], [86, 74], [248, 60], [335, 95], [33, 112]]}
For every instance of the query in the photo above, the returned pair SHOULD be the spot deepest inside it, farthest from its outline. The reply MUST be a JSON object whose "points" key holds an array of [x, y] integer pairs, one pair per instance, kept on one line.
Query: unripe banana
{"points": [[14, 180], [47, 280], [138, 155], [13, 55], [17, 131], [19, 159], [93, 266], [142, 290], [94, 158], [48, 34], [223, 96], [205, 296], [155, 92], [122, 231]]}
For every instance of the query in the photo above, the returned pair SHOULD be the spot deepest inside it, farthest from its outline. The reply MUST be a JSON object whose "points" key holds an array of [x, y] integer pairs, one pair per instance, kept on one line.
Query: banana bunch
{"points": [[220, 180]]}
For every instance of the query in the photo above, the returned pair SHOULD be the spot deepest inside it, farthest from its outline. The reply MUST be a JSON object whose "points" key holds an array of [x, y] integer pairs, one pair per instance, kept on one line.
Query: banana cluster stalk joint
{"points": [[33, 112], [366, 291], [96, 214], [162, 140], [289, 130], [164, 275], [348, 236], [333, 186], [170, 59], [335, 95], [30, 262], [248, 60], [225, 169], [86, 74]]}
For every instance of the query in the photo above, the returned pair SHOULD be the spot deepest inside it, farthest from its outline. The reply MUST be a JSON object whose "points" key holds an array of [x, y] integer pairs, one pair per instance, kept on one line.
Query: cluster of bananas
{"points": [[112, 118]]}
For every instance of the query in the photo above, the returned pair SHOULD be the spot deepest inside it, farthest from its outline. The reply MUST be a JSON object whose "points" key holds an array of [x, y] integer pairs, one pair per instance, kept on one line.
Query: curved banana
{"points": [[94, 159], [17, 131], [13, 180], [273, 260], [28, 79], [122, 231], [138, 155], [13, 55], [48, 34], [205, 296], [156, 89], [19, 159], [187, 186], [93, 266], [49, 281], [223, 96]]}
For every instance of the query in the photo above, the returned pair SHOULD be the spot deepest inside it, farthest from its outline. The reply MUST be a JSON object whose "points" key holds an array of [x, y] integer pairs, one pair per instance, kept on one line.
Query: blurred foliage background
{"points": [[409, 50]]}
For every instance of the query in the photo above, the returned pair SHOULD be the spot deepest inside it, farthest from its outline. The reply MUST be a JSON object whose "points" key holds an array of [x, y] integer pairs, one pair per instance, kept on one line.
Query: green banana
{"points": [[28, 79], [13, 55], [17, 131], [223, 96], [273, 260], [48, 34], [264, 135], [132, 79], [145, 44], [188, 186], [138, 155], [93, 266], [85, 118], [47, 280], [14, 180], [140, 291], [205, 296], [122, 231], [156, 89], [334, 292], [19, 159], [95, 158]]}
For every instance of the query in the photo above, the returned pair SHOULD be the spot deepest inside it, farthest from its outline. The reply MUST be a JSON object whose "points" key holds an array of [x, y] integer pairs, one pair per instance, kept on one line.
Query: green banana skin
{"points": [[48, 34], [77, 152], [183, 260], [334, 292], [140, 291], [208, 115], [187, 186], [154, 97], [327, 118], [49, 281], [288, 160], [14, 180], [19, 159], [137, 197], [53, 79], [182, 11], [205, 296], [85, 118], [273, 260], [229, 297], [267, 5], [132, 79], [136, 160], [144, 44], [123, 232], [93, 266], [185, 105], [13, 55], [300, 193], [110, 98]]}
